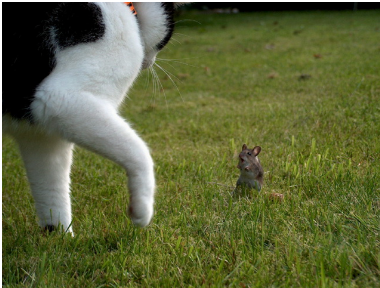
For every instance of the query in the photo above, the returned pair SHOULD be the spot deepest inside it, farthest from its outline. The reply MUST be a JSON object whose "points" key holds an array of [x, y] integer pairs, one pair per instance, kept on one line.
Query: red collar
{"points": [[131, 7]]}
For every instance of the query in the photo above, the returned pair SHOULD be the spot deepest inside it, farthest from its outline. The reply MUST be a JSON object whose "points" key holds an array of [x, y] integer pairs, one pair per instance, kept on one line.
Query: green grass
{"points": [[239, 81]]}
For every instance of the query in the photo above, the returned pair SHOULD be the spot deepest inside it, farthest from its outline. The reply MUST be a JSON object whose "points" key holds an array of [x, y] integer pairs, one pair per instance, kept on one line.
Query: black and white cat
{"points": [[66, 69]]}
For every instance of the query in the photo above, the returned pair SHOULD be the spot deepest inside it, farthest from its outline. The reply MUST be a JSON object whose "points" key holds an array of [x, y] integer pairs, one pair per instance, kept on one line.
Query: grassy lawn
{"points": [[305, 86]]}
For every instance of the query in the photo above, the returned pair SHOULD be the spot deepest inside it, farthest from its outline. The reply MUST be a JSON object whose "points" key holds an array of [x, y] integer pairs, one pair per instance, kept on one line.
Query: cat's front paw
{"points": [[141, 212]]}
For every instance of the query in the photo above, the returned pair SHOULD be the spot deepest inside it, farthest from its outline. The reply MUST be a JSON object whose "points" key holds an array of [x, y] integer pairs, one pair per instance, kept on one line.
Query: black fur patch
{"points": [[76, 23], [26, 58], [28, 54], [169, 11]]}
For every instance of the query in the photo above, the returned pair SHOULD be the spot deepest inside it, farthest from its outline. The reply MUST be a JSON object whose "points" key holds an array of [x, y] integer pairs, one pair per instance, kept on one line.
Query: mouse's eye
{"points": [[249, 153]]}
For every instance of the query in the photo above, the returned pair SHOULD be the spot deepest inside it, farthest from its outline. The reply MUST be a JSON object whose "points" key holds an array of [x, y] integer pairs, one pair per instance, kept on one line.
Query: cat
{"points": [[66, 69]]}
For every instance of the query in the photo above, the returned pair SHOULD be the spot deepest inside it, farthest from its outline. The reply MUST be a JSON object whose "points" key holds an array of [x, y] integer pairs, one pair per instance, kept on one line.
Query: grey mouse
{"points": [[251, 172]]}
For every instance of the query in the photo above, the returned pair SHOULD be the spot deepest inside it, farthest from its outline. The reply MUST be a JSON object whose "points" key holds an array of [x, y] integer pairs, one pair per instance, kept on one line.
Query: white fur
{"points": [[77, 103], [152, 22]]}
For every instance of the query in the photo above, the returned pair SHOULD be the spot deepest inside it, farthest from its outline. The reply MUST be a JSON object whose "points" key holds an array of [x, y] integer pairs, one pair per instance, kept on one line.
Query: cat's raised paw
{"points": [[140, 213]]}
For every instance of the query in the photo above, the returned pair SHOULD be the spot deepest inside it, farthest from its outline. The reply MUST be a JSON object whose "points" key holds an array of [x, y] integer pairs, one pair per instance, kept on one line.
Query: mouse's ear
{"points": [[244, 147], [256, 150]]}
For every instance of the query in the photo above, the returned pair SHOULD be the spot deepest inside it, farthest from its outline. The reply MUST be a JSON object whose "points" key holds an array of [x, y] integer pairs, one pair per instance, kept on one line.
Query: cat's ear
{"points": [[178, 4]]}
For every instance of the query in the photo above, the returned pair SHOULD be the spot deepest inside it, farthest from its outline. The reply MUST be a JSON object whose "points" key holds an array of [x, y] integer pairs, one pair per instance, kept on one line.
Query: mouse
{"points": [[251, 171]]}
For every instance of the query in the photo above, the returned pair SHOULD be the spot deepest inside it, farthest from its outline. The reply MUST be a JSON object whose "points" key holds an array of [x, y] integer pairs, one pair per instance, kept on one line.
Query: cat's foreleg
{"points": [[47, 161], [93, 123]]}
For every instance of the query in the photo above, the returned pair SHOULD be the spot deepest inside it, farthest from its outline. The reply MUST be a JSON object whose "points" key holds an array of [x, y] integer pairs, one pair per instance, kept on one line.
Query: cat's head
{"points": [[156, 26]]}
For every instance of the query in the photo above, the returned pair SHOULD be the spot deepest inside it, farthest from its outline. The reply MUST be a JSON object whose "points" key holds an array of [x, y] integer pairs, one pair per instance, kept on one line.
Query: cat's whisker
{"points": [[167, 72], [176, 61], [171, 79], [170, 65], [181, 34], [159, 84], [156, 82], [153, 79], [173, 39], [188, 20], [147, 81], [170, 60], [150, 73]]}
